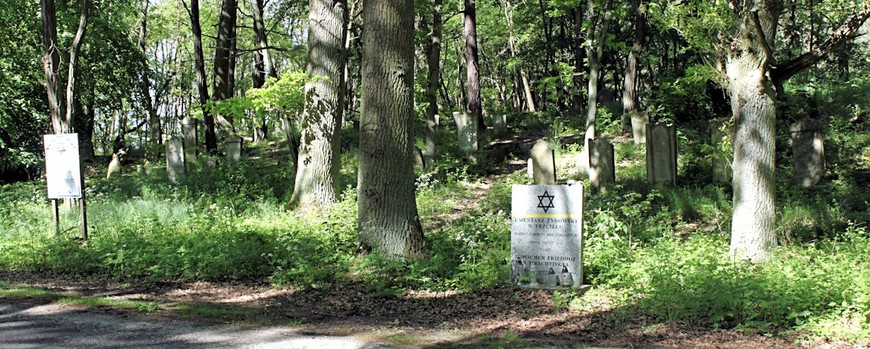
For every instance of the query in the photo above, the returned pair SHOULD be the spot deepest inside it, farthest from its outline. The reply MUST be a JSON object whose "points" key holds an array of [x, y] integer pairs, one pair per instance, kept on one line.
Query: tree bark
{"points": [[319, 147], [263, 60], [51, 64], [472, 68], [594, 52], [433, 62], [222, 62], [753, 76], [75, 47], [388, 218], [201, 83], [153, 151], [512, 46], [629, 83]]}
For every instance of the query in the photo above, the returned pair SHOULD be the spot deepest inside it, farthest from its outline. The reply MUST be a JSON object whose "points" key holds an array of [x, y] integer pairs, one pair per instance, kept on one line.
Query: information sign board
{"points": [[62, 166]]}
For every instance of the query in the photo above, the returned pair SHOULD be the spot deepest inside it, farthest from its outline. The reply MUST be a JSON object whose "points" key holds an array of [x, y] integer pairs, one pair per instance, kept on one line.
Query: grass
{"points": [[7, 291], [654, 251]]}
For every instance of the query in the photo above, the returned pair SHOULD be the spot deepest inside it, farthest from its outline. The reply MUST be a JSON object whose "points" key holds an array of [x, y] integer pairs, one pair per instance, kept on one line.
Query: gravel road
{"points": [[26, 324]]}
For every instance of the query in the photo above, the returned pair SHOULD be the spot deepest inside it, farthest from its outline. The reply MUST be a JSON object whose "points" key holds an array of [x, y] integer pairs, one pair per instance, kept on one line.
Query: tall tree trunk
{"points": [[595, 39], [472, 67], [74, 50], [222, 62], [51, 64], [264, 65], [433, 60], [201, 83], [752, 79], [512, 47], [548, 62], [629, 83], [388, 218], [753, 104], [320, 145], [153, 151]]}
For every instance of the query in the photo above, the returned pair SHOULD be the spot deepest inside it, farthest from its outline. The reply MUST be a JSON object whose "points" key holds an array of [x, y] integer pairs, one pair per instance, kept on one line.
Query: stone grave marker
{"points": [[499, 124], [188, 130], [808, 150], [174, 159], [661, 154], [115, 169], [639, 121], [547, 236], [466, 130], [721, 136], [543, 163], [233, 148], [602, 170]]}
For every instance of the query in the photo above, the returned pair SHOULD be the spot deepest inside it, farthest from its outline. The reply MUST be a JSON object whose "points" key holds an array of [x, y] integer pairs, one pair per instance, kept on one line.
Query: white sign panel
{"points": [[547, 236], [62, 171]]}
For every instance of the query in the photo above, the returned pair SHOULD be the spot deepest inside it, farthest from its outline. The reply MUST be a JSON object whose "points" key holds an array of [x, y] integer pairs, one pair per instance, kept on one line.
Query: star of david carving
{"points": [[549, 201]]}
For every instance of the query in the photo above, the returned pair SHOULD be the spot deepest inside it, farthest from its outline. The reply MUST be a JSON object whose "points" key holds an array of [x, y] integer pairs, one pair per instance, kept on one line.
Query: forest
{"points": [[372, 145]]}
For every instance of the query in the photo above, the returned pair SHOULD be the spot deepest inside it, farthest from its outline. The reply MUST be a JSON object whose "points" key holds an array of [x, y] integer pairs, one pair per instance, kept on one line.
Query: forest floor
{"points": [[502, 317]]}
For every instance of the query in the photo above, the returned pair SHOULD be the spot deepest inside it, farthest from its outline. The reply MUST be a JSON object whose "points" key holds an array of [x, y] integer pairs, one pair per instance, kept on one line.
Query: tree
{"points": [[598, 23], [629, 85], [153, 119], [753, 76], [472, 67], [388, 219], [201, 83], [224, 61], [318, 165], [433, 81], [62, 117]]}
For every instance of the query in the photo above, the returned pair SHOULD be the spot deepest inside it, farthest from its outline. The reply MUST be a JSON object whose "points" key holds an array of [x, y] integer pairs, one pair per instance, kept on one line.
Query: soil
{"points": [[496, 317]]}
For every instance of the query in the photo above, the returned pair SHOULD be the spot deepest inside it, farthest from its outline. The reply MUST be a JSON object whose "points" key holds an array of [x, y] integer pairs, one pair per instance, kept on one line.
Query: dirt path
{"points": [[28, 324]]}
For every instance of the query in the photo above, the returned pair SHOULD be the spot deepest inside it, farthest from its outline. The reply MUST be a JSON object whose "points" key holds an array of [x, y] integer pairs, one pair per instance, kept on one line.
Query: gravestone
{"points": [[721, 136], [188, 130], [639, 121], [233, 146], [114, 169], [499, 125], [601, 167], [808, 150], [661, 154], [466, 130], [547, 236], [543, 163], [174, 159]]}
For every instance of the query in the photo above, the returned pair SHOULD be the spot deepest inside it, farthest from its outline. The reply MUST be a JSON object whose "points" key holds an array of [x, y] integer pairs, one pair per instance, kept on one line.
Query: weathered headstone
{"points": [[661, 154], [543, 163], [547, 236], [174, 159], [188, 130], [601, 165], [639, 121], [721, 135], [466, 130], [233, 148], [114, 169], [499, 124], [808, 150]]}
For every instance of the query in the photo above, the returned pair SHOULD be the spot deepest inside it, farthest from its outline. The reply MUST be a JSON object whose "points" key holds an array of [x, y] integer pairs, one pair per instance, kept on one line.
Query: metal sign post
{"points": [[63, 175]]}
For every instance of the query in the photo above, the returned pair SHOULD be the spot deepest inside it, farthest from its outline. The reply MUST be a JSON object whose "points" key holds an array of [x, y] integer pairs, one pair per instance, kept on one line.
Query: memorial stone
{"points": [[661, 154], [543, 163], [114, 169], [721, 134], [499, 124], [233, 148], [547, 236], [601, 165], [808, 150], [174, 159], [188, 129], [466, 130], [639, 122]]}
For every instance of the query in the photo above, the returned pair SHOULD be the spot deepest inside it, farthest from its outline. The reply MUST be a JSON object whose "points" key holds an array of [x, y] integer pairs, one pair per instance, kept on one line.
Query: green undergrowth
{"points": [[653, 250], [8, 291]]}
